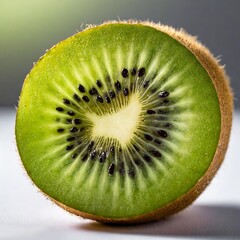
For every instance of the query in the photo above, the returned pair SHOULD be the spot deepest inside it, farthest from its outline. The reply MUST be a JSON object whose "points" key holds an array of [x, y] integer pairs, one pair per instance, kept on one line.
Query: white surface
{"points": [[27, 214]]}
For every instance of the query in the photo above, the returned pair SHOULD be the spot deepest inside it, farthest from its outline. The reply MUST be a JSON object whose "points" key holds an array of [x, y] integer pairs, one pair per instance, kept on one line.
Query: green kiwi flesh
{"points": [[118, 121]]}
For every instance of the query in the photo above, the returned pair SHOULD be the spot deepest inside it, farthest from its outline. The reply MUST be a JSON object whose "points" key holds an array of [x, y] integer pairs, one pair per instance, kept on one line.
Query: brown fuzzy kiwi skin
{"points": [[221, 83]]}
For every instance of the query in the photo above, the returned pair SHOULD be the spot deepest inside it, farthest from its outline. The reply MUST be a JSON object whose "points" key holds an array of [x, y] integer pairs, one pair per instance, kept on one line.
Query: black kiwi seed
{"points": [[99, 83], [93, 154], [84, 158], [125, 73], [157, 141], [69, 120], [141, 72], [165, 101], [90, 145], [145, 84], [70, 147], [60, 109], [136, 148], [148, 137], [167, 125], [93, 91], [77, 121], [74, 156], [111, 169], [69, 139], [112, 94], [102, 156], [112, 149], [99, 99], [71, 113], [107, 98], [163, 94], [154, 90], [156, 153], [147, 158], [81, 88], [131, 172], [121, 168], [151, 112], [66, 101], [76, 97], [134, 71], [60, 130], [125, 91], [73, 129], [85, 98], [162, 133], [137, 162], [118, 86]]}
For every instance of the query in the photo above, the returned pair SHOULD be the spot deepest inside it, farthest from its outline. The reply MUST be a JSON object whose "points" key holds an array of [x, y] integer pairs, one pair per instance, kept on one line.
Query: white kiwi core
{"points": [[119, 125]]}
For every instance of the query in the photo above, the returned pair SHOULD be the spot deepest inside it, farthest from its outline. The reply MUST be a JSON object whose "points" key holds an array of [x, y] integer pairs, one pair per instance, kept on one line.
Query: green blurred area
{"points": [[29, 27], [27, 24]]}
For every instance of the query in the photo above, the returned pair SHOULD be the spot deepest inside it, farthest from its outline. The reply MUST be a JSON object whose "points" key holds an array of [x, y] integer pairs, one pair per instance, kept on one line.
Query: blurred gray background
{"points": [[28, 28]]}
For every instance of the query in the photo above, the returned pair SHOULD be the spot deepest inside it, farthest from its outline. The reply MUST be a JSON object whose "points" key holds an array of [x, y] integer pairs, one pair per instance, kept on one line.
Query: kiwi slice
{"points": [[125, 122]]}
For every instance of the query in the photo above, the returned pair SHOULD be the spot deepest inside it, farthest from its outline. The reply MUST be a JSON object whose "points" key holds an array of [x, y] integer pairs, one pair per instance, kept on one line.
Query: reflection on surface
{"points": [[196, 221]]}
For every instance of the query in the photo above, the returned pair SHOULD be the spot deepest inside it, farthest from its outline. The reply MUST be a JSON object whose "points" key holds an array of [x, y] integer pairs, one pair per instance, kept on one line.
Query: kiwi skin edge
{"points": [[221, 83]]}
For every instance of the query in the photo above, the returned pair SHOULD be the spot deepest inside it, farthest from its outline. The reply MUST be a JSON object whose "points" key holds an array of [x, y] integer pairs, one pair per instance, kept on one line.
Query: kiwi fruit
{"points": [[125, 122]]}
